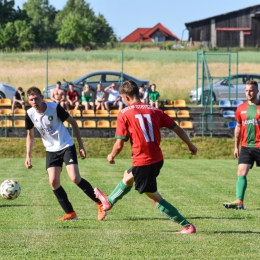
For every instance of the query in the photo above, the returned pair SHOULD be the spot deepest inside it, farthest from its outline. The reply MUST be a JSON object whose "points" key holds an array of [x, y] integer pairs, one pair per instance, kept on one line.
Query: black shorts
{"points": [[55, 159], [249, 156], [145, 177]]}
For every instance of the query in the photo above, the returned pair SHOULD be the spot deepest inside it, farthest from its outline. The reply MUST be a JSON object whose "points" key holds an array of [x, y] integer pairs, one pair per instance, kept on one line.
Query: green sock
{"points": [[172, 213], [120, 190], [241, 187]]}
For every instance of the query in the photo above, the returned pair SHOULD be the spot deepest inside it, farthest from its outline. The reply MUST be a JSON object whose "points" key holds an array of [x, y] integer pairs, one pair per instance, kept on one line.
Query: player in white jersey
{"points": [[48, 118]]}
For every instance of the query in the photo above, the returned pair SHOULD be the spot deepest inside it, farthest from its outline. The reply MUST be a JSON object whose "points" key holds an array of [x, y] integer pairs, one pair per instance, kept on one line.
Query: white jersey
{"points": [[55, 135]]}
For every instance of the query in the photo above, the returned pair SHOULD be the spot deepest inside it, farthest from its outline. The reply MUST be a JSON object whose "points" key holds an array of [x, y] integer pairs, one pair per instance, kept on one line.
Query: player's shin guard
{"points": [[120, 190], [172, 213], [88, 190], [62, 198], [241, 186]]}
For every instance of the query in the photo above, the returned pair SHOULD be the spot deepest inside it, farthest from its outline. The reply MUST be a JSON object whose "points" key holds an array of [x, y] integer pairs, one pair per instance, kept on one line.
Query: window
{"points": [[234, 81], [256, 78], [159, 39], [93, 79], [111, 78]]}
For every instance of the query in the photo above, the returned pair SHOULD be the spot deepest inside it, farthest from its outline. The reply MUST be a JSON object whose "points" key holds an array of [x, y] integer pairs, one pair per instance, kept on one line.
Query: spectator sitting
{"points": [[154, 96], [100, 98], [18, 98], [87, 98], [58, 95], [113, 97], [143, 94], [72, 97]]}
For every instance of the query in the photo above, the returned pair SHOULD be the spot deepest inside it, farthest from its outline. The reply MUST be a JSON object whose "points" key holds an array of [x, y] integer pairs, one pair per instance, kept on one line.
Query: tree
{"points": [[24, 35], [17, 36], [42, 16], [72, 31], [7, 11], [77, 24]]}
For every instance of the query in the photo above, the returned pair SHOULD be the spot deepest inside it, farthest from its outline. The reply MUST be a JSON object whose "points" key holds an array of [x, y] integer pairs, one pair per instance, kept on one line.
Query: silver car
{"points": [[6, 91], [92, 79], [234, 87]]}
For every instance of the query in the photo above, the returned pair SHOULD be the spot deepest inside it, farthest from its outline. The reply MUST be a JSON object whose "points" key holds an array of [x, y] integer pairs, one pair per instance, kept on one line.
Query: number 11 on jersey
{"points": [[141, 119]]}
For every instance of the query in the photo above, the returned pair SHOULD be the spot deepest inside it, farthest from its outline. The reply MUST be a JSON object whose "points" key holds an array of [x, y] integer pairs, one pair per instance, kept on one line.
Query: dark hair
{"points": [[34, 91], [252, 83], [70, 83], [20, 88], [129, 88], [58, 82]]}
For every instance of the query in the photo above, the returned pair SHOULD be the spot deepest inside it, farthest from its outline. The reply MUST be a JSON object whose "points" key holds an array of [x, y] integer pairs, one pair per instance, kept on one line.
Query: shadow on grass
{"points": [[235, 232], [211, 217], [21, 205]]}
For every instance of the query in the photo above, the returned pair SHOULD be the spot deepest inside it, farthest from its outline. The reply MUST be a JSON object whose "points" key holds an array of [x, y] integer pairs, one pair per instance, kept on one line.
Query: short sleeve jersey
{"points": [[54, 134], [72, 95], [19, 96], [113, 95], [249, 118], [141, 124], [154, 95]]}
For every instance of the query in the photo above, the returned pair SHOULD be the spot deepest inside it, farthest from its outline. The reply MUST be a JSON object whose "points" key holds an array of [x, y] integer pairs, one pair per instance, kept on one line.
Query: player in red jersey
{"points": [[247, 132], [141, 124]]}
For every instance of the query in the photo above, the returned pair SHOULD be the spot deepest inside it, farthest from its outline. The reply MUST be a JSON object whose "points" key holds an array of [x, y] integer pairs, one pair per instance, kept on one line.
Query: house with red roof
{"points": [[158, 33]]}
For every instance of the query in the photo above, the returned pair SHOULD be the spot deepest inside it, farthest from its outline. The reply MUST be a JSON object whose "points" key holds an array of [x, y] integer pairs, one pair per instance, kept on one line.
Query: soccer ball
{"points": [[10, 189]]}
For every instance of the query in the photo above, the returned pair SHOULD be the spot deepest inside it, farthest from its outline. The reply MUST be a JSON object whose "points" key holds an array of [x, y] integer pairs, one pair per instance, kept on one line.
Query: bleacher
{"points": [[100, 124]]}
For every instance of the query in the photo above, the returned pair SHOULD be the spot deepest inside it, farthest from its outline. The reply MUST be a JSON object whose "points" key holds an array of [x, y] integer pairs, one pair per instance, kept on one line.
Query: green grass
{"points": [[134, 228], [116, 55], [208, 148]]}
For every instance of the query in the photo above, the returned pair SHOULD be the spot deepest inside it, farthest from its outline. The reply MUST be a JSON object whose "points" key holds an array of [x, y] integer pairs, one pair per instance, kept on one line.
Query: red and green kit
{"points": [[249, 118]]}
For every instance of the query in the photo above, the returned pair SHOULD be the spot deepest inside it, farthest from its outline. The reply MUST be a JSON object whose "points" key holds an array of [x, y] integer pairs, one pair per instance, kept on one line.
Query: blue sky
{"points": [[124, 16]]}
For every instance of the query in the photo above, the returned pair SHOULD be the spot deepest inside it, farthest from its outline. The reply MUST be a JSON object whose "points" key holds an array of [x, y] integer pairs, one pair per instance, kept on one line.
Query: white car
{"points": [[6, 91], [232, 88]]}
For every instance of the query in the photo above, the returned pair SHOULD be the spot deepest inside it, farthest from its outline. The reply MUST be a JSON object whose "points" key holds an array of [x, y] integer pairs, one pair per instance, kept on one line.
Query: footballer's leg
{"points": [[60, 193], [122, 188], [171, 212], [241, 186], [84, 185]]}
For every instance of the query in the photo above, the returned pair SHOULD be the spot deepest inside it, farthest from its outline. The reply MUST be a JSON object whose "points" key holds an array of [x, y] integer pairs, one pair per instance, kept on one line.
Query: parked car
{"points": [[220, 89], [6, 91], [92, 79]]}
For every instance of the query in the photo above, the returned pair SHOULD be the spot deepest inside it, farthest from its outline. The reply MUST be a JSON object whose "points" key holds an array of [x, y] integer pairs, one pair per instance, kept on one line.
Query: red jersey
{"points": [[249, 118], [141, 124], [72, 95]]}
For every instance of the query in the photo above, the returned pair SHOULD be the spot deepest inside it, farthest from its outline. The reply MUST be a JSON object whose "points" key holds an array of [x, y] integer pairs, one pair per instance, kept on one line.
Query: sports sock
{"points": [[88, 190], [120, 190], [62, 198], [241, 187], [172, 213]]}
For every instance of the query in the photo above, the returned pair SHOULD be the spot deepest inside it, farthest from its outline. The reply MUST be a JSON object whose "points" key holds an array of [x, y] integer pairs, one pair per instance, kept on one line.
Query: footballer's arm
{"points": [[182, 134], [75, 127], [237, 139], [29, 147], [117, 148]]}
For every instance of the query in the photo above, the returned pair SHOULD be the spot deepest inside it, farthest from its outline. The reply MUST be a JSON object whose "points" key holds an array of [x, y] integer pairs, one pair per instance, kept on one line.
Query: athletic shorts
{"points": [[55, 159], [249, 156], [145, 177]]}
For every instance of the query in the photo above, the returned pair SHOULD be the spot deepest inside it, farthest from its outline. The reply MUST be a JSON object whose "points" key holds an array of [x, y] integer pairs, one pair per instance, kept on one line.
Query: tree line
{"points": [[39, 25]]}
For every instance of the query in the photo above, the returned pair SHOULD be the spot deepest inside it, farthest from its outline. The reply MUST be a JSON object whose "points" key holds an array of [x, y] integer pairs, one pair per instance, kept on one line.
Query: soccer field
{"points": [[134, 228]]}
